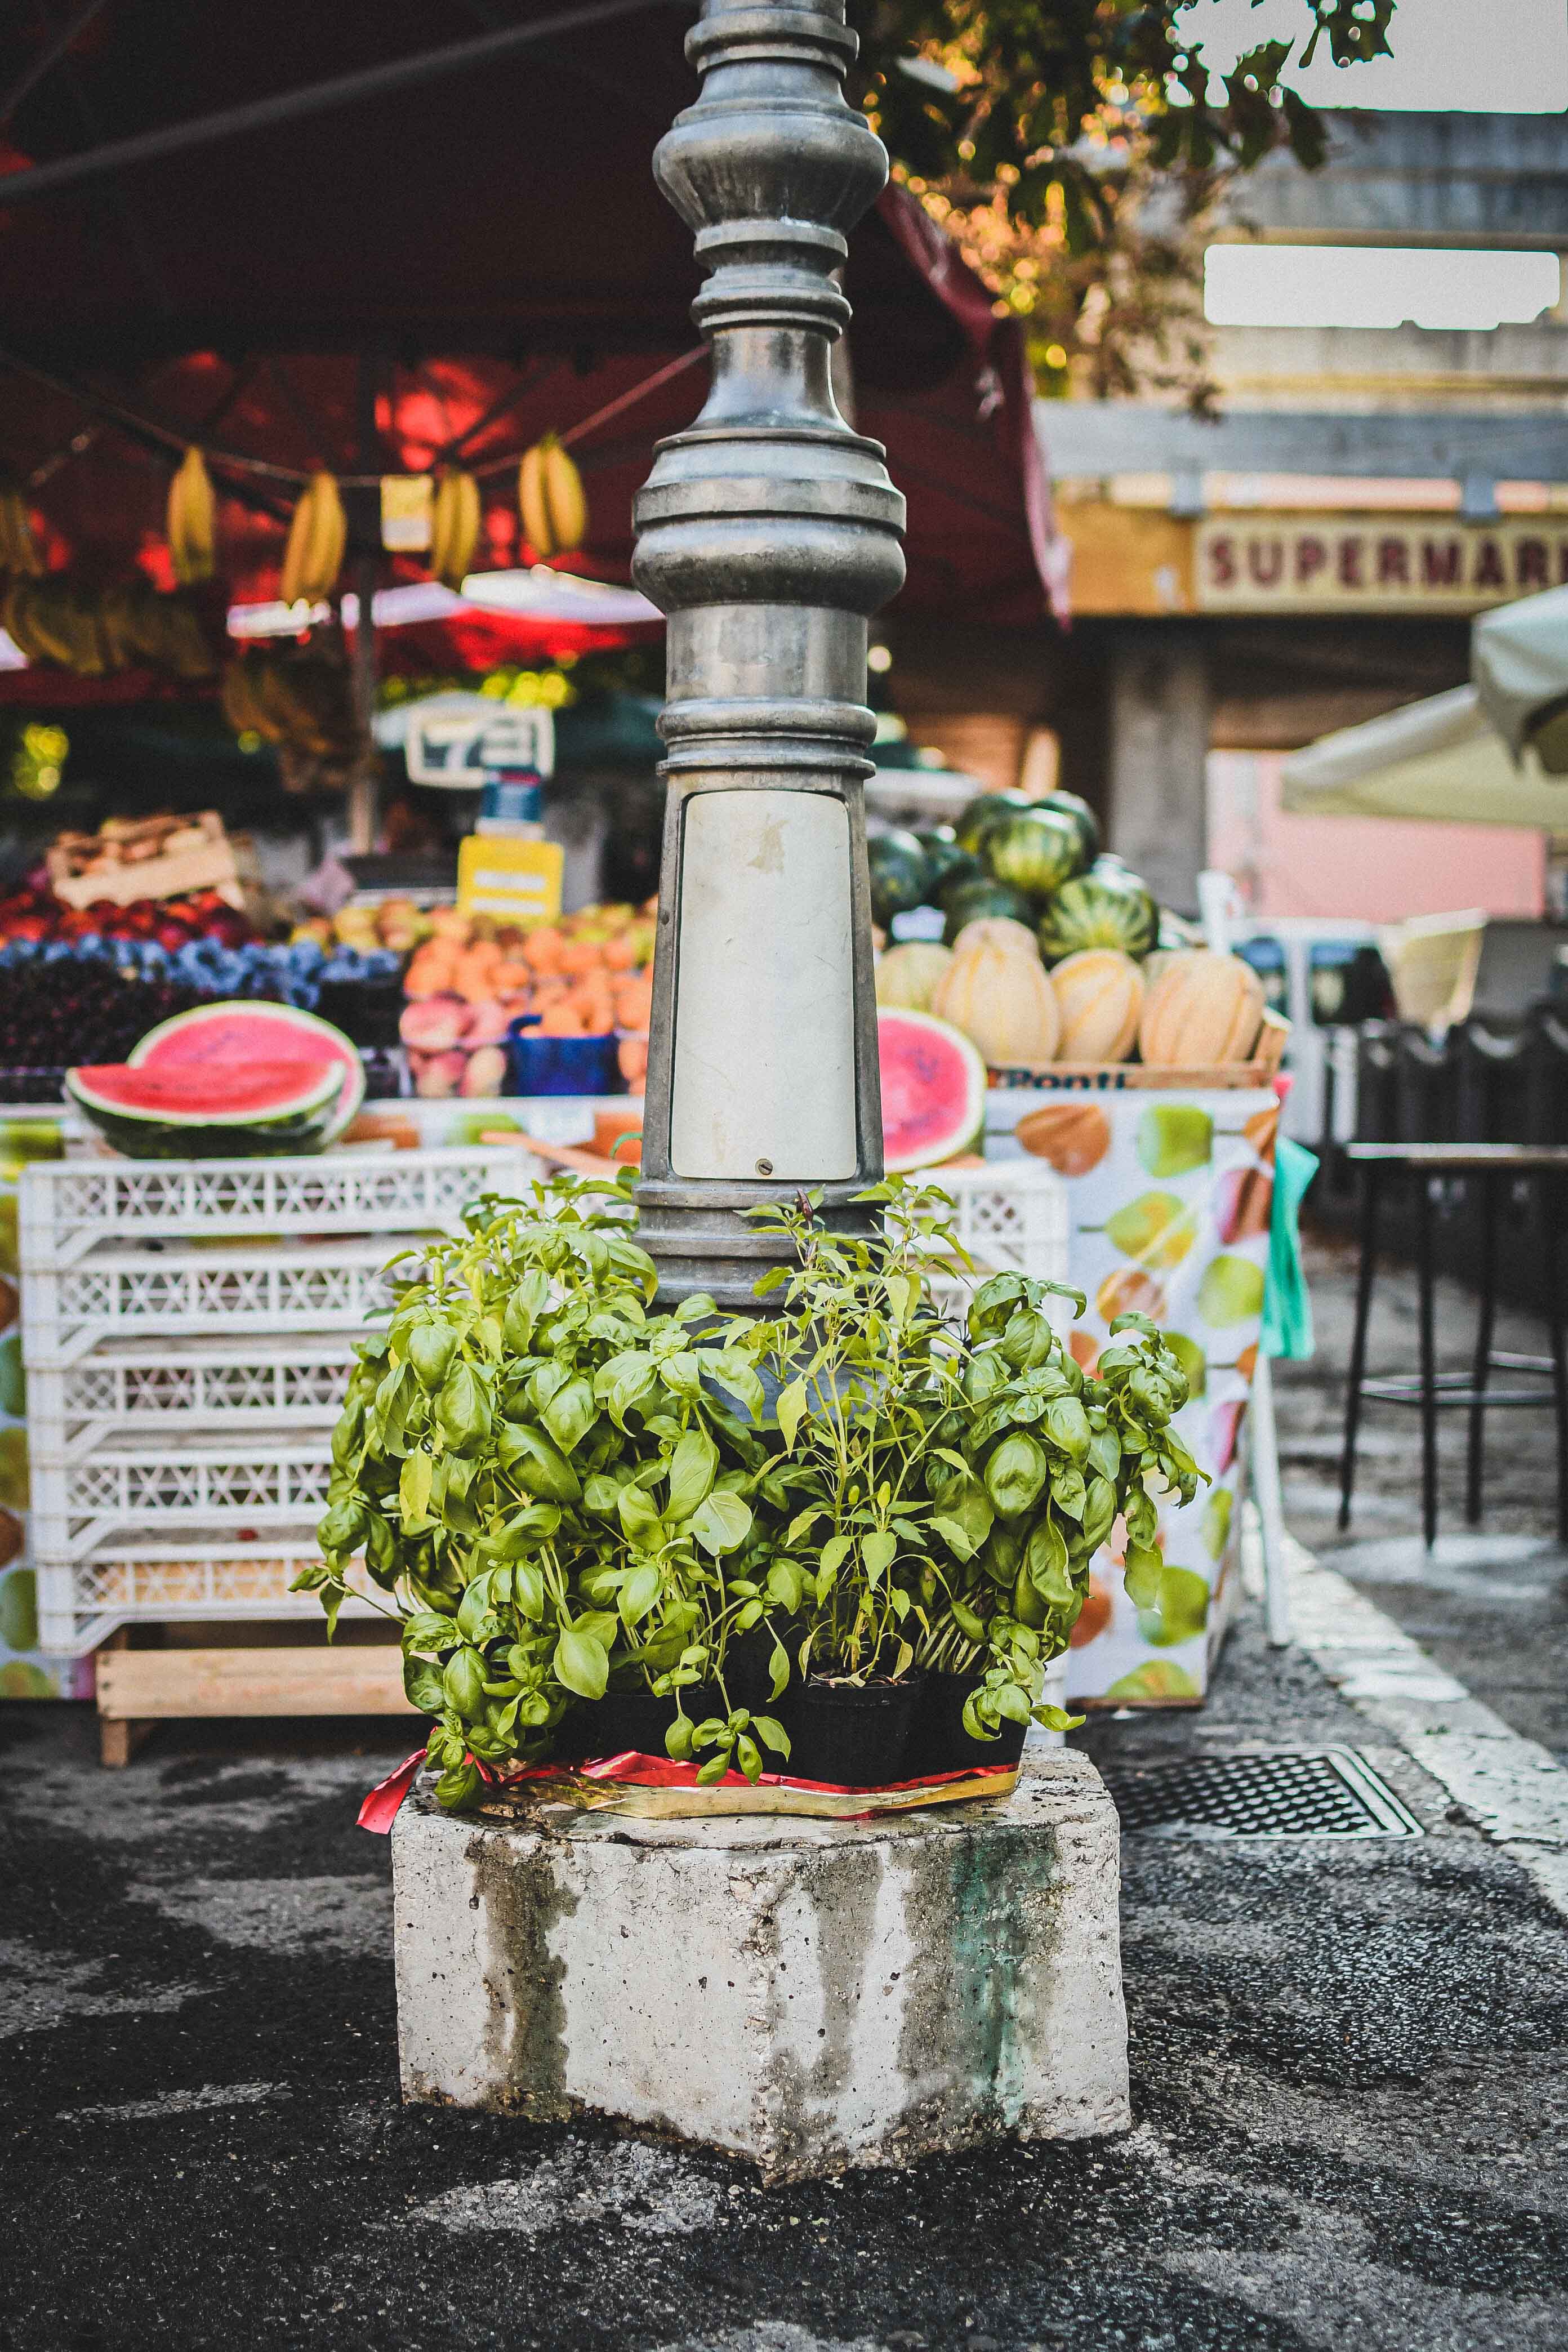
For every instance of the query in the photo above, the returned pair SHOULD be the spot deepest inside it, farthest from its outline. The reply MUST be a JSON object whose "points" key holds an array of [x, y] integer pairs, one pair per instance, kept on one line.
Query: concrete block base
{"points": [[811, 1995]]}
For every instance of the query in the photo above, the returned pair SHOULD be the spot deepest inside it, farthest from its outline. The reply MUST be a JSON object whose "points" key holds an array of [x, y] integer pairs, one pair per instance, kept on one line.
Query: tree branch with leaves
{"points": [[1077, 151]]}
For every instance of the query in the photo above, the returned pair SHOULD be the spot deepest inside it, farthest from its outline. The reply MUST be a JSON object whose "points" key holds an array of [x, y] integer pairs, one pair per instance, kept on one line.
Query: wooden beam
{"points": [[137, 1687]]}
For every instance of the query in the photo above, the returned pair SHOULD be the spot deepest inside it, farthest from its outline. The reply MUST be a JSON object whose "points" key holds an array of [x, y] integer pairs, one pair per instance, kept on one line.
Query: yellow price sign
{"points": [[515, 881]]}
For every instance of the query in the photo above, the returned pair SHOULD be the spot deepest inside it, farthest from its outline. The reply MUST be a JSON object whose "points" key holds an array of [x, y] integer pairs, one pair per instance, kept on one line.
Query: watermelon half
{"points": [[933, 1090], [259, 1107], [213, 1040]]}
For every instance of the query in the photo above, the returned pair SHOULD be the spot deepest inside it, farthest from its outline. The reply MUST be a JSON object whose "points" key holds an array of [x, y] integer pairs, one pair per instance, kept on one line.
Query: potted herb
{"points": [[948, 1491], [598, 1533], [564, 1500]]}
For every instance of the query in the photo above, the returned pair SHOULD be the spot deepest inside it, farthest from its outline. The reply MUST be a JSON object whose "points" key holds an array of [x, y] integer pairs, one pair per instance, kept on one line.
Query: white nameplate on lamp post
{"points": [[764, 1012]]}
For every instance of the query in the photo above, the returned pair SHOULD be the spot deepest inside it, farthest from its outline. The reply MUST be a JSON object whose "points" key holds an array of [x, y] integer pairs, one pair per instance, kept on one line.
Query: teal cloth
{"points": [[1287, 1302]]}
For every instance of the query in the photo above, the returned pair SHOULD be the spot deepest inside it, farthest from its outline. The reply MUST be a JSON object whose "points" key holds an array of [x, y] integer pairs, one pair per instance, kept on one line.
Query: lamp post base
{"points": [[809, 1994], [701, 1240]]}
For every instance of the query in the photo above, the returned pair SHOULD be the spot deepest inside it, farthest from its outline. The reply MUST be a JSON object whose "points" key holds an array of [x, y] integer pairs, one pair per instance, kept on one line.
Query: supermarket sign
{"points": [[1374, 563]]}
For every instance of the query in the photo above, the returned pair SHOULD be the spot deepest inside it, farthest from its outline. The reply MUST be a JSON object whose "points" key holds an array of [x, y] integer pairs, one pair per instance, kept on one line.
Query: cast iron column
{"points": [[769, 533]]}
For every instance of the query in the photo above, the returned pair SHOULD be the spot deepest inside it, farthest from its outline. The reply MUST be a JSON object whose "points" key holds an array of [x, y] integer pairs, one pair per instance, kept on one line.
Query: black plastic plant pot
{"points": [[853, 1734], [621, 1719], [937, 1740], [748, 1666], [625, 1720]]}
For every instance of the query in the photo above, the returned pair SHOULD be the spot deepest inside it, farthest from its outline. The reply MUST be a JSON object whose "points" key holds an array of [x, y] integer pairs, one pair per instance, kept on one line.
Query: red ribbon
{"points": [[380, 1808]]}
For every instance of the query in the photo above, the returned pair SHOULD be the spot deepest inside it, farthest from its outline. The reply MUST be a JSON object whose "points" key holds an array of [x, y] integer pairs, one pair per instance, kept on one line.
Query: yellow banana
{"points": [[19, 551], [454, 528], [318, 535], [550, 498], [328, 538], [192, 521], [564, 490]]}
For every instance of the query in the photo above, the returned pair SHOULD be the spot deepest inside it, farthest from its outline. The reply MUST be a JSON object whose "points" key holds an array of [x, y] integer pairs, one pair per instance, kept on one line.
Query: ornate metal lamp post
{"points": [[769, 533]]}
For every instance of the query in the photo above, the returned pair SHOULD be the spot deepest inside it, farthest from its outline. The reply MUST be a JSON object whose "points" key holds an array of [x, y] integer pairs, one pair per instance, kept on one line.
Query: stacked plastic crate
{"points": [[188, 1331]]}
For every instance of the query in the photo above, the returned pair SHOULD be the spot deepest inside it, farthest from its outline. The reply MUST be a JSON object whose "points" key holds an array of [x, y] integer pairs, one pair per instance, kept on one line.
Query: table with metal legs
{"points": [[1496, 1167]]}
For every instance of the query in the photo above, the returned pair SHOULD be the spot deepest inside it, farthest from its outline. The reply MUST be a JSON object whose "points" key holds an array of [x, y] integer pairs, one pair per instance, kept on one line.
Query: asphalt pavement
{"points": [[1348, 2079], [1490, 1603]]}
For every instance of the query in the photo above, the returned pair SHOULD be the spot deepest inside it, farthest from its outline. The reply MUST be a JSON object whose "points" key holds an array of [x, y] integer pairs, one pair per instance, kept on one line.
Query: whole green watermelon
{"points": [[946, 863], [900, 876], [966, 902], [1108, 908], [992, 808], [1083, 816], [1037, 850]]}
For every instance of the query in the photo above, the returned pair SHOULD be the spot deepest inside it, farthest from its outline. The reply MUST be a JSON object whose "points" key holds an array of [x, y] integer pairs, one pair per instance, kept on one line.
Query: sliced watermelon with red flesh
{"points": [[216, 1037], [933, 1090], [243, 1095]]}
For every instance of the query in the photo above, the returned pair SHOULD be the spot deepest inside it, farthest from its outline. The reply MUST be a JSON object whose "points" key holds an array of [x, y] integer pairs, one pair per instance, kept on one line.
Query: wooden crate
{"points": [[137, 1688], [1114, 1077]]}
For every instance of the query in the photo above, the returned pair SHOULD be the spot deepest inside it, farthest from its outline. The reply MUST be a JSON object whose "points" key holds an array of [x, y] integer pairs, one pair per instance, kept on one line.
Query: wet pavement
{"points": [[1488, 1603], [1350, 2088]]}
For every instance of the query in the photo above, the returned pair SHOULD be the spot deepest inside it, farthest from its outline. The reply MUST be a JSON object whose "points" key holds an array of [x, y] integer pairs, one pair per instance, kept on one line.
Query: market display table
{"points": [[1497, 1168], [1169, 1199]]}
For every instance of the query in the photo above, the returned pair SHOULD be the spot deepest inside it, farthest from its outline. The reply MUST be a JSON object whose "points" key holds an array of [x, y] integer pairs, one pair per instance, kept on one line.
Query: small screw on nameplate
{"points": [[764, 1167]]}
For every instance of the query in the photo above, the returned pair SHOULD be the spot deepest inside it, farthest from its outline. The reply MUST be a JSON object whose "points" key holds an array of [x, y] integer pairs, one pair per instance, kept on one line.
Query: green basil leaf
{"points": [[878, 1552], [581, 1665], [414, 1491], [463, 1410], [721, 1524], [571, 1413], [692, 1470], [790, 1406]]}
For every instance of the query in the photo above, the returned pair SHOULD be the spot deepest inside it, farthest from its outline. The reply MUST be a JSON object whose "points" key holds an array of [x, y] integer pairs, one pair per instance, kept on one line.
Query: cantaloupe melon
{"points": [[1002, 999], [906, 975], [1202, 1008], [1100, 996]]}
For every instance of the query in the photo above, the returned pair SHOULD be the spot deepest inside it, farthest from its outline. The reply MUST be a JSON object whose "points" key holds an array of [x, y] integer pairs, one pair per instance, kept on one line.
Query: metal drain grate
{"points": [[1294, 1793]]}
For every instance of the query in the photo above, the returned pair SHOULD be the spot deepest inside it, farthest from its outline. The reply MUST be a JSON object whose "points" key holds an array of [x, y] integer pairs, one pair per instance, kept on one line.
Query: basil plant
{"points": [[952, 1488], [561, 1492], [558, 1490]]}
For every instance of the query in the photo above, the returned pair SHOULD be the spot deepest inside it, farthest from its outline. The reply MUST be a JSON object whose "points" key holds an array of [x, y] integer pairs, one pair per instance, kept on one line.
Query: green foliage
{"points": [[947, 1492], [562, 1493], [1025, 81], [1049, 138]]}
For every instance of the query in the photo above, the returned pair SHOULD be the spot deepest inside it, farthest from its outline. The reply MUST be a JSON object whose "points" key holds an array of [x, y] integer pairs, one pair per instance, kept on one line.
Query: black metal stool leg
{"points": [[1483, 1349], [1429, 1363], [1548, 1199], [1364, 1273]]}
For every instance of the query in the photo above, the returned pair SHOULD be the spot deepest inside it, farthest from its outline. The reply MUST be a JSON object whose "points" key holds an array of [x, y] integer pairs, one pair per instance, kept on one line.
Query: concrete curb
{"points": [[1509, 1788]]}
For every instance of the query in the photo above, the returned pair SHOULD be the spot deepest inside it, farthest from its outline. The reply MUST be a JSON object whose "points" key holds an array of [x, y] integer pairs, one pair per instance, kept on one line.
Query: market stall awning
{"points": [[1440, 759], [430, 266]]}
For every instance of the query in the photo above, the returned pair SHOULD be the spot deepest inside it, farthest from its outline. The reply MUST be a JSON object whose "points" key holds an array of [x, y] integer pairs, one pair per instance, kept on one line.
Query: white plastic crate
{"points": [[145, 1580], [1012, 1218], [306, 1287], [209, 1479], [70, 1209], [165, 1389]]}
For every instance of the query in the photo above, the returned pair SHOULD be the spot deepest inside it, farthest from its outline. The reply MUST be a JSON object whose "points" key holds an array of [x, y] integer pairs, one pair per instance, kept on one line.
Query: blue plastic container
{"points": [[559, 1065]]}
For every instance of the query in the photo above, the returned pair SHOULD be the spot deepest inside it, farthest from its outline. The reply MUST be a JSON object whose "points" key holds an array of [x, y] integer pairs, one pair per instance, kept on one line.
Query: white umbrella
{"points": [[1440, 759], [1519, 659]]}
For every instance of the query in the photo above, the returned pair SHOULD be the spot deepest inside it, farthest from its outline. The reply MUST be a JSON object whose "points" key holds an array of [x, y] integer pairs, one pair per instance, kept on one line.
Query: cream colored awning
{"points": [[1440, 760]]}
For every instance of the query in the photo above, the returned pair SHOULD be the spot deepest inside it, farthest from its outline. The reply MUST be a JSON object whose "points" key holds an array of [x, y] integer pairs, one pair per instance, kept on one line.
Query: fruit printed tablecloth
{"points": [[1169, 1206], [24, 1671]]}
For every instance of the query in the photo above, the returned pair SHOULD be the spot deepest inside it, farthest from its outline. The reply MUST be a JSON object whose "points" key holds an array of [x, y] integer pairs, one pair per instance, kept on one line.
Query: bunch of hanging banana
{"points": [[454, 527], [550, 498], [190, 521], [318, 535], [18, 550]]}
